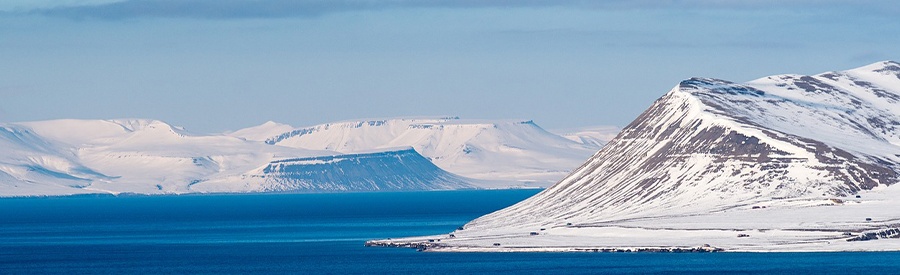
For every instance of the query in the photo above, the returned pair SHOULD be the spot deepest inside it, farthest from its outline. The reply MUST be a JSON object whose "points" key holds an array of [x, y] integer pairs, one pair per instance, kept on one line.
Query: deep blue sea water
{"points": [[324, 234]]}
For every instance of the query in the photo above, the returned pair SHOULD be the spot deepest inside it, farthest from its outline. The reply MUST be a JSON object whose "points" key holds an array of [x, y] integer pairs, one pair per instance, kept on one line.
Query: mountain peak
{"points": [[697, 82], [711, 143], [888, 67], [271, 123], [798, 162], [261, 132], [890, 63], [136, 124]]}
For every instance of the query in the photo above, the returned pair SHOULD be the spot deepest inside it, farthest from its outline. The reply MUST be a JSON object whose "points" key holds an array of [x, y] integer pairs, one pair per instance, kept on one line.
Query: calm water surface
{"points": [[324, 234]]}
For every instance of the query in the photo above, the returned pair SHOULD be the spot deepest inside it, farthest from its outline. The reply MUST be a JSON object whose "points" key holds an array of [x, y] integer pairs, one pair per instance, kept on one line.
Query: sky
{"points": [[218, 65]]}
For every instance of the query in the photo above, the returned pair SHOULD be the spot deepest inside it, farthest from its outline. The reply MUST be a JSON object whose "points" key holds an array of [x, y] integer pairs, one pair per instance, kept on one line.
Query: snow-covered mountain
{"points": [[491, 150], [263, 131], [786, 162], [29, 163], [62, 157], [395, 170], [596, 136]]}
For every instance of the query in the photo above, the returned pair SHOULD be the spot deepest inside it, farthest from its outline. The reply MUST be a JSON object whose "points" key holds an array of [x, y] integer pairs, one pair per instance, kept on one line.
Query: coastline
{"points": [[667, 242]]}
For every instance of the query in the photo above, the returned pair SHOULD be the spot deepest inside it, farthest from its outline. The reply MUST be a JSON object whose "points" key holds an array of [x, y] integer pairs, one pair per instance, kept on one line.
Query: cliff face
{"points": [[402, 170]]}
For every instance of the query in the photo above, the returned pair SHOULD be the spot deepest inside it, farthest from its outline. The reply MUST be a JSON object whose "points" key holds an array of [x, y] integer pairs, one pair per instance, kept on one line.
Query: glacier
{"points": [[781, 163]]}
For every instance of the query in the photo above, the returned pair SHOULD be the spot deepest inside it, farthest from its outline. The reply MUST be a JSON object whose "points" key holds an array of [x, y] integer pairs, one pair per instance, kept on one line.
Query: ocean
{"points": [[324, 234]]}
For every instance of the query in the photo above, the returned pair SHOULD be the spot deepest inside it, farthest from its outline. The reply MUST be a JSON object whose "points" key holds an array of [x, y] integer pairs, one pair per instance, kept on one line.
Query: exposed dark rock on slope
{"points": [[711, 144], [785, 163]]}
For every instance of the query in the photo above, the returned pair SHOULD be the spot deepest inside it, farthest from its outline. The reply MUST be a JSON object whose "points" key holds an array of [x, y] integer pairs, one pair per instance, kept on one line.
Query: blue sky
{"points": [[213, 66]]}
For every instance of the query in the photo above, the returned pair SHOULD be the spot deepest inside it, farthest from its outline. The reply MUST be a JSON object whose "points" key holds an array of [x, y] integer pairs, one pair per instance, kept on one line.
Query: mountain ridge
{"points": [[697, 104], [799, 160], [511, 150], [146, 156]]}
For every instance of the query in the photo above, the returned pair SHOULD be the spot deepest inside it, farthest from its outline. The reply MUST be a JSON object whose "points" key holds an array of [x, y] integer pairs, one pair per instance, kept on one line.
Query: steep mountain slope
{"points": [[152, 157], [493, 150], [398, 170], [782, 156]]}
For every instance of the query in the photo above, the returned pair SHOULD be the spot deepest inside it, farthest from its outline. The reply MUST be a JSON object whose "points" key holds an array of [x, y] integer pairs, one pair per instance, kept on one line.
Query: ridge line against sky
{"points": [[213, 66]]}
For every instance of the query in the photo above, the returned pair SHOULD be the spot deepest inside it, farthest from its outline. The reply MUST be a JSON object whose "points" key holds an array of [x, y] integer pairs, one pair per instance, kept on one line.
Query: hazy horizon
{"points": [[214, 66]]}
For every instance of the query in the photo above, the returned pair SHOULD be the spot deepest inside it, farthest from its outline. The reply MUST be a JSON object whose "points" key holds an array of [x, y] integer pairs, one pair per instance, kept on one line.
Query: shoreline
{"points": [[442, 248], [772, 241], [437, 247]]}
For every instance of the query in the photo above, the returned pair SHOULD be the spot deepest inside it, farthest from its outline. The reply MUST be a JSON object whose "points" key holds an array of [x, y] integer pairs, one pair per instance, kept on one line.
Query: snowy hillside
{"points": [[262, 132], [29, 163], [596, 136], [398, 170], [782, 163], [151, 157], [491, 150]]}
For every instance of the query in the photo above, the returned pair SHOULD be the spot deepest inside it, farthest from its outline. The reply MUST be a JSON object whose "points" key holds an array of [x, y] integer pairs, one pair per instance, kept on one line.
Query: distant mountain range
{"points": [[781, 163], [481, 149], [596, 136], [63, 157]]}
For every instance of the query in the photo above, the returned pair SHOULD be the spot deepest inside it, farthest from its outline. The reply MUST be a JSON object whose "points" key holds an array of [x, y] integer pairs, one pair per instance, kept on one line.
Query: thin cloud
{"points": [[238, 9]]}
